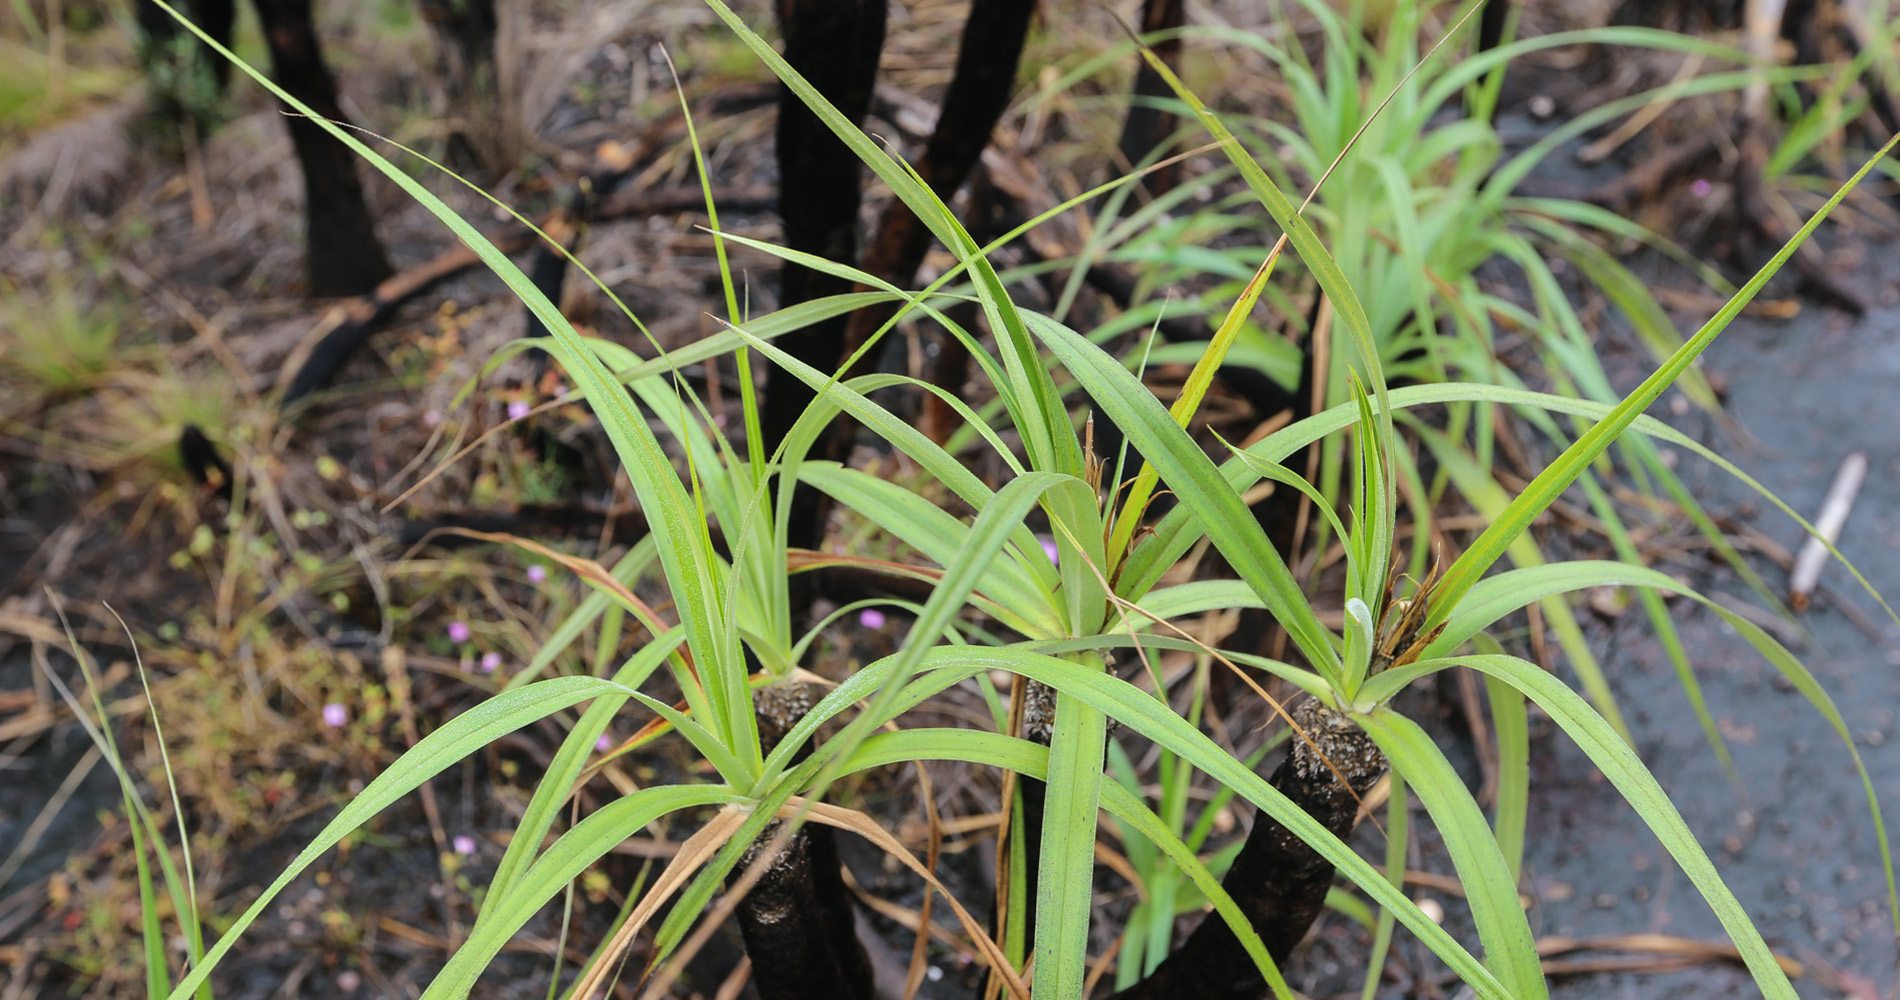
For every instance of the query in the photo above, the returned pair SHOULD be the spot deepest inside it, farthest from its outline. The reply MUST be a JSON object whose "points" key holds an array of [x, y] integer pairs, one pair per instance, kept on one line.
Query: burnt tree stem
{"points": [[835, 45], [1278, 881], [1038, 726], [797, 922], [342, 254], [791, 956], [468, 27], [1492, 20], [1148, 125], [1491, 24], [987, 57]]}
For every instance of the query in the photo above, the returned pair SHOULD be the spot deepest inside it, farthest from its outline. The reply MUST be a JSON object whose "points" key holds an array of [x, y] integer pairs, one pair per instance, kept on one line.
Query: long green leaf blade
{"points": [[1065, 884], [1482, 869]]}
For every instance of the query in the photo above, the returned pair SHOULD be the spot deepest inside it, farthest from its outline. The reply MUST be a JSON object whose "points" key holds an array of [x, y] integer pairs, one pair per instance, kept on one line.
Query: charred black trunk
{"points": [[1492, 20], [1491, 24], [987, 57], [1278, 882], [468, 25], [835, 45], [342, 254], [1148, 126], [790, 948], [796, 920], [1038, 726]]}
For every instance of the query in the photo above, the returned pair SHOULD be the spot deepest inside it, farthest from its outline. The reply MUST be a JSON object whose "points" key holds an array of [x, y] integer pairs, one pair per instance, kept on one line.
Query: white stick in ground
{"points": [[1827, 528]]}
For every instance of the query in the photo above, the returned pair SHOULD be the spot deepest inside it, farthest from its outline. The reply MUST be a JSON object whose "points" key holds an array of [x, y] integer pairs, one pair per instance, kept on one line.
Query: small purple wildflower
{"points": [[432, 418], [335, 715], [518, 409], [491, 662], [1055, 553], [458, 632], [871, 618], [605, 743], [1701, 187], [537, 573], [464, 844]]}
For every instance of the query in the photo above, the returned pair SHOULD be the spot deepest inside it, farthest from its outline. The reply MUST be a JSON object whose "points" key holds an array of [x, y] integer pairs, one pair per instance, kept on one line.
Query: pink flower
{"points": [[432, 418], [464, 845], [458, 632], [871, 618], [1049, 546], [537, 573], [491, 662], [1701, 187], [518, 409], [335, 715], [605, 743]]}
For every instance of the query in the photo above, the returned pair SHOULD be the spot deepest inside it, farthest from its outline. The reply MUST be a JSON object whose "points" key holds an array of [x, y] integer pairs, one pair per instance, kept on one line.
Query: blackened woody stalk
{"points": [[1278, 881], [343, 256], [987, 58], [835, 45], [797, 922], [1148, 126]]}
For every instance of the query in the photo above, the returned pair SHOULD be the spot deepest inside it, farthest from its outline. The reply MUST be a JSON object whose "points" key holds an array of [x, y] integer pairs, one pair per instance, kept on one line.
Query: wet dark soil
{"points": [[1795, 841]]}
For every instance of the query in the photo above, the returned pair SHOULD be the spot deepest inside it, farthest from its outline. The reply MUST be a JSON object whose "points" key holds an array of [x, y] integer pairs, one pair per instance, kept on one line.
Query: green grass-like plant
{"points": [[1099, 597]]}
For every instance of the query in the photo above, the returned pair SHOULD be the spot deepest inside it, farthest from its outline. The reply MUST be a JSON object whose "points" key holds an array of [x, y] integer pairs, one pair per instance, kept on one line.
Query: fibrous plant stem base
{"points": [[796, 920], [1277, 880]]}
